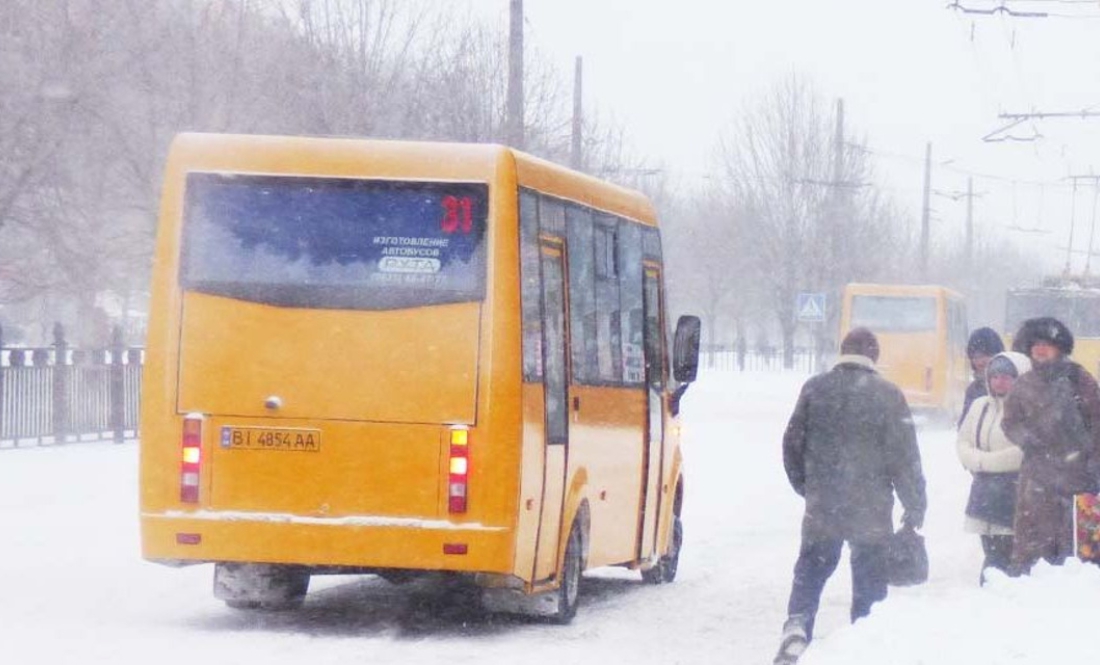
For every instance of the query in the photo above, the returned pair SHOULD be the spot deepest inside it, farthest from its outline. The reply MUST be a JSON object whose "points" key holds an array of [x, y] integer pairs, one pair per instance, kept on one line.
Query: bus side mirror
{"points": [[685, 349]]}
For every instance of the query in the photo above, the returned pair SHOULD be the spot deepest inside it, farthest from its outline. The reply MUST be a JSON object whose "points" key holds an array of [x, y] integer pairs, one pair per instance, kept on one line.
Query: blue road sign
{"points": [[810, 307]]}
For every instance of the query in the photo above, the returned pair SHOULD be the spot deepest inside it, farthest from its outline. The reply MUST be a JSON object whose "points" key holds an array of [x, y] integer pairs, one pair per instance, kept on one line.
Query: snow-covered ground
{"points": [[73, 588]]}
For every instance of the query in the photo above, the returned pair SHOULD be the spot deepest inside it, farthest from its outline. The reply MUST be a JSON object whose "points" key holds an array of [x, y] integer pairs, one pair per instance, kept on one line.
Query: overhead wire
{"points": [[1002, 9], [964, 171], [1017, 69]]}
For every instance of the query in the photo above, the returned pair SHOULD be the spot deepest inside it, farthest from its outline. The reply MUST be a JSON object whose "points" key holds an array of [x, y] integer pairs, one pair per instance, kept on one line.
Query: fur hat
{"points": [[860, 342], [1043, 329], [985, 341]]}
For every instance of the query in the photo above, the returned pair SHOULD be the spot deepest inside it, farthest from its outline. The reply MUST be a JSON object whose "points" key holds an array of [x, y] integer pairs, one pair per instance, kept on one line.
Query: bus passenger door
{"points": [[652, 460], [555, 386]]}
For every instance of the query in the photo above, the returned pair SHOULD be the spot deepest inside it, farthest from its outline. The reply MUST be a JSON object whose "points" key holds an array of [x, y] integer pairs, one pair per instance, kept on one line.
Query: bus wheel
{"points": [[569, 590], [243, 604], [261, 586], [665, 570]]}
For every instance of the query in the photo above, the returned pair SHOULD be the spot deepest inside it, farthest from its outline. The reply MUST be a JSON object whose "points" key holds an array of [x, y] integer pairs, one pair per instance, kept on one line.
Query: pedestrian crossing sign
{"points": [[811, 307]]}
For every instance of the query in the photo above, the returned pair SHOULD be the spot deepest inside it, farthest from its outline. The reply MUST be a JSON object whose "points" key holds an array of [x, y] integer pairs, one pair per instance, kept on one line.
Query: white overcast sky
{"points": [[675, 72]]}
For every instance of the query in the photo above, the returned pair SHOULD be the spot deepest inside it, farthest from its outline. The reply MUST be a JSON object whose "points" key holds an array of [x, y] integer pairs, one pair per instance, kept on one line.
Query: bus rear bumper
{"points": [[179, 538]]}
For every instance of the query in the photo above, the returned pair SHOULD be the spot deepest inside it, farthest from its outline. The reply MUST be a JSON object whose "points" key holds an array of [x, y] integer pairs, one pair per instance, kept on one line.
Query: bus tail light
{"points": [[928, 379], [459, 470], [190, 458]]}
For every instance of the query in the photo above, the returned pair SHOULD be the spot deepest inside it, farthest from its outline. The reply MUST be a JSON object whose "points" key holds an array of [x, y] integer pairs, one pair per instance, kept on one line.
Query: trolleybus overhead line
{"points": [[1019, 118], [1002, 8], [998, 135]]}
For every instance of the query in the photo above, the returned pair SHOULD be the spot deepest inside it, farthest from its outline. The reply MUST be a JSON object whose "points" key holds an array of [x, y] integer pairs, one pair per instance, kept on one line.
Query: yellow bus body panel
{"points": [[906, 359], [413, 366]]}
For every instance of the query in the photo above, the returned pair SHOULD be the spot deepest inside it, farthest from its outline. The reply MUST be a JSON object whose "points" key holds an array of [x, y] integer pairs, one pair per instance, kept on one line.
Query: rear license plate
{"points": [[272, 438]]}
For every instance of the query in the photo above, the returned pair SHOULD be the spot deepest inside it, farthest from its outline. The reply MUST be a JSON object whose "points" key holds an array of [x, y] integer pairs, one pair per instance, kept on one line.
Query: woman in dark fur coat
{"points": [[1053, 415]]}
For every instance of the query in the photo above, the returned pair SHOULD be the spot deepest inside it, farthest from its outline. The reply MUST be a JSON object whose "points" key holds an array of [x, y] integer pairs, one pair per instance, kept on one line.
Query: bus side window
{"points": [[630, 299], [531, 293], [961, 332], [582, 297], [655, 352], [608, 324]]}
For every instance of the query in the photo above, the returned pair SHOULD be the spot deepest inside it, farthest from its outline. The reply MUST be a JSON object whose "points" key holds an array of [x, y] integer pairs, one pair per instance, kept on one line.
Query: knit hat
{"points": [[860, 342], [985, 341], [1001, 365], [1043, 329]]}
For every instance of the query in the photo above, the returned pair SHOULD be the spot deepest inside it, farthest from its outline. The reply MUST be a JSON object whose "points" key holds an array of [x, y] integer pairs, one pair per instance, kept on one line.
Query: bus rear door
{"points": [[555, 396]]}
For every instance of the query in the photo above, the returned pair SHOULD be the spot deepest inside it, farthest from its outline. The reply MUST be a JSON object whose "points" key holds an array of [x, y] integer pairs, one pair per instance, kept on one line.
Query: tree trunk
{"points": [[788, 325]]}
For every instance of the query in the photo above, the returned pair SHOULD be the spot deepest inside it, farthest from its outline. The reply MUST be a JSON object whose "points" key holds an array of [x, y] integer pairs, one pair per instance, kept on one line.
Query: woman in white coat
{"points": [[986, 452]]}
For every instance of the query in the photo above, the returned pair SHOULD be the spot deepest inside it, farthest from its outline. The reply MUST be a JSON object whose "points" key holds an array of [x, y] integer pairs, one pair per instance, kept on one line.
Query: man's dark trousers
{"points": [[816, 562]]}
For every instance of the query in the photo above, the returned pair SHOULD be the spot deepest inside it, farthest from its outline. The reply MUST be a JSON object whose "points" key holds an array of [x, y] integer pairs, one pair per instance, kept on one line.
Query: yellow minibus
{"points": [[406, 357], [922, 333]]}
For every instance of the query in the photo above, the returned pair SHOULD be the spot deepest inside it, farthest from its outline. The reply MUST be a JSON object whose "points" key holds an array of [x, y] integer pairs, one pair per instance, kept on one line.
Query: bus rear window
{"points": [[334, 242], [894, 314]]}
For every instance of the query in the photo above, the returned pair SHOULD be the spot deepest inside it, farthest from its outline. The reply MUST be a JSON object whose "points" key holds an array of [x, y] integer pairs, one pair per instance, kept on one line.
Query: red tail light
{"points": [[459, 476], [190, 458]]}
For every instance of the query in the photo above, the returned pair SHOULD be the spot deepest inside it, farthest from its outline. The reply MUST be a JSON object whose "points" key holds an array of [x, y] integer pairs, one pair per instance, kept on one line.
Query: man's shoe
{"points": [[793, 643]]}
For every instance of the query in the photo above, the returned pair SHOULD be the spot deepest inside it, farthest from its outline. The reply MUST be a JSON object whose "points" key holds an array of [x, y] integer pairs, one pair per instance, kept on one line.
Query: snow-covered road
{"points": [[75, 590]]}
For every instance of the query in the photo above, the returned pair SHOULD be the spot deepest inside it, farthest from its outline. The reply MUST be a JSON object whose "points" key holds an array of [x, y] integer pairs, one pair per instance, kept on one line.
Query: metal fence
{"points": [[727, 358], [58, 394]]}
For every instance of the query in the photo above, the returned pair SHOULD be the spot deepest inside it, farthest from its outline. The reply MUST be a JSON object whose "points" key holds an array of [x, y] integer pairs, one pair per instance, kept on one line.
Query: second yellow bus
{"points": [[922, 333]]}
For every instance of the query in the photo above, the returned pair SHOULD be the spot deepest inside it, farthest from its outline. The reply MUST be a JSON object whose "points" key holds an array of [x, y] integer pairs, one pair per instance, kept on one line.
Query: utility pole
{"points": [[1072, 223], [969, 221], [1092, 225], [838, 143], [576, 156], [926, 212], [832, 282], [514, 112]]}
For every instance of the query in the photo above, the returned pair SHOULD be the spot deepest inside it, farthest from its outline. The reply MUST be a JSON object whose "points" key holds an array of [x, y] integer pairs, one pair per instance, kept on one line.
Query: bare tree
{"points": [[91, 94], [807, 220]]}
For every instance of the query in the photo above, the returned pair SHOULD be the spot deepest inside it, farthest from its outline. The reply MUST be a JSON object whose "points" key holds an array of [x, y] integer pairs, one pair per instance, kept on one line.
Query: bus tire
{"points": [[292, 586], [243, 604], [665, 570], [571, 569], [266, 587]]}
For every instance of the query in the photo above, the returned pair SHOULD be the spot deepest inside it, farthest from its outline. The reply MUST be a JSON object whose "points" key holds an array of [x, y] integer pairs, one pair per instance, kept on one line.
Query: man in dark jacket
{"points": [[1053, 415], [849, 445]]}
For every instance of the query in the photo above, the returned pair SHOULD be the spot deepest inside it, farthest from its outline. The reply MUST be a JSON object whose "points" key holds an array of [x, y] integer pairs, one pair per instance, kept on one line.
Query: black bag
{"points": [[906, 558], [993, 498]]}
